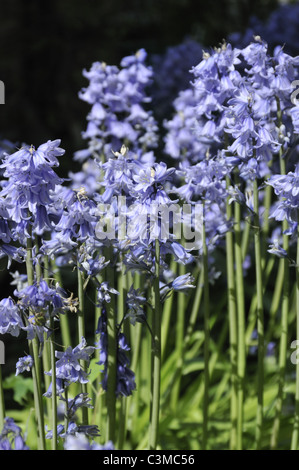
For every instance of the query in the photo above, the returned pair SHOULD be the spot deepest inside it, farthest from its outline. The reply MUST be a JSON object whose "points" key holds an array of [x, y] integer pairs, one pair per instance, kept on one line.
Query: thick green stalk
{"points": [[112, 361], [195, 310], [66, 409], [122, 289], [64, 322], [275, 303], [180, 327], [133, 400], [156, 356], [206, 336], [81, 333], [233, 328], [54, 394], [45, 354], [260, 319], [166, 317], [241, 346], [51, 353], [33, 349], [295, 435], [284, 329]]}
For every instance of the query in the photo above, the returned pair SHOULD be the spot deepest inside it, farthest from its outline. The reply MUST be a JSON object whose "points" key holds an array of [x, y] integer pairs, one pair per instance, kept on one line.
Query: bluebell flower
{"points": [[277, 250], [104, 291], [10, 318], [286, 187], [38, 302], [41, 296], [12, 253], [78, 219], [183, 282], [19, 280], [206, 180], [79, 401], [150, 178], [135, 302], [68, 367], [24, 364]]}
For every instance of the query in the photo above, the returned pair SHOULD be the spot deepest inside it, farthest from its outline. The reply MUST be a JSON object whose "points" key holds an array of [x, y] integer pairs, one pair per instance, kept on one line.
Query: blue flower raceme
{"points": [[31, 179], [37, 303], [76, 223], [286, 187], [118, 98]]}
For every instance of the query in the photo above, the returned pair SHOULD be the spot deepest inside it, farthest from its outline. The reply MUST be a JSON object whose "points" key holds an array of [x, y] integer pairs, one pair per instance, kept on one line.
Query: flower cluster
{"points": [[68, 367], [286, 187], [118, 98]]}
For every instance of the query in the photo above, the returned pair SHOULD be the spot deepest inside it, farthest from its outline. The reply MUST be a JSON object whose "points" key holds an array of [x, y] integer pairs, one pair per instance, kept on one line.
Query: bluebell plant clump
{"points": [[232, 143]]}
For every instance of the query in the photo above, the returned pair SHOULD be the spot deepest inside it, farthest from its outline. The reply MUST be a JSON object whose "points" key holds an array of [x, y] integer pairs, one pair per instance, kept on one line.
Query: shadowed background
{"points": [[44, 46]]}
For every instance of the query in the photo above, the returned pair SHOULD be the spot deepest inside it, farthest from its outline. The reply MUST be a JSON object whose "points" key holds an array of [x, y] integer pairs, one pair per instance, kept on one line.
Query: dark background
{"points": [[45, 45]]}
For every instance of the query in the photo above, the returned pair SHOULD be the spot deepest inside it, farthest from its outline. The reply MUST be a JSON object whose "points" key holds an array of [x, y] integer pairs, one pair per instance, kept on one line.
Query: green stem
{"points": [[156, 357], [112, 360], [81, 333], [206, 336], [295, 435], [284, 328], [33, 348], [180, 326], [54, 394], [278, 288], [166, 316], [66, 409], [260, 319], [122, 289], [241, 346], [233, 329], [194, 311], [64, 322]]}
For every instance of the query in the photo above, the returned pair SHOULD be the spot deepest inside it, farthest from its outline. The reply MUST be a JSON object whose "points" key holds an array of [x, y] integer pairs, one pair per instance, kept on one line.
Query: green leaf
{"points": [[95, 371], [21, 386]]}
